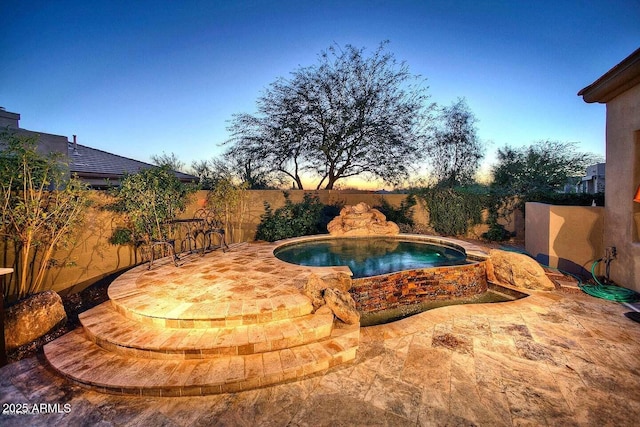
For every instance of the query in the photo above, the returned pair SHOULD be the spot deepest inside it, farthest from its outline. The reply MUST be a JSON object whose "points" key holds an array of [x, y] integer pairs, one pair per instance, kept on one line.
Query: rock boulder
{"points": [[313, 289], [518, 270], [32, 318], [342, 305], [341, 281], [361, 220]]}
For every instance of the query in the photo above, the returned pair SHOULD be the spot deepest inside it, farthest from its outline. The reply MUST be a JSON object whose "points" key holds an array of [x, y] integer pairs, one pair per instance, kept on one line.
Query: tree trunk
{"points": [[331, 183]]}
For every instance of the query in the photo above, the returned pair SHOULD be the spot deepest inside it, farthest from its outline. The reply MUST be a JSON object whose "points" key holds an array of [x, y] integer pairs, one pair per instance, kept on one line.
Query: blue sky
{"points": [[138, 78]]}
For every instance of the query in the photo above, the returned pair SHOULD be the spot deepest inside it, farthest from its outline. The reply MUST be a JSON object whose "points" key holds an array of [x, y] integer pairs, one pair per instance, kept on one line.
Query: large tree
{"points": [[350, 114], [530, 174], [455, 149], [238, 167]]}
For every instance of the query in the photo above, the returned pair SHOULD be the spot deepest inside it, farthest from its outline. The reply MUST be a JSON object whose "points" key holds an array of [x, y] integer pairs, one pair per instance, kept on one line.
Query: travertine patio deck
{"points": [[219, 323], [552, 358]]}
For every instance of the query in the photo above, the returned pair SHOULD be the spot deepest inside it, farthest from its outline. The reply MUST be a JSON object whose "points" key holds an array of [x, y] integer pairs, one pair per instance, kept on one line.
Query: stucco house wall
{"points": [[619, 89], [623, 177]]}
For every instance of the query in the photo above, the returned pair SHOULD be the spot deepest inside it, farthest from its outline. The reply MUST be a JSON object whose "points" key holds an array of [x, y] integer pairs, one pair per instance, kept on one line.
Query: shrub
{"points": [[452, 211], [229, 201], [291, 220], [149, 198], [401, 215], [41, 209], [496, 233]]}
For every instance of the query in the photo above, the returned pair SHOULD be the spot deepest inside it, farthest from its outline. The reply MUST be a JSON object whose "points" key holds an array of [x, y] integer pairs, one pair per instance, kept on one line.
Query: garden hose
{"points": [[609, 292]]}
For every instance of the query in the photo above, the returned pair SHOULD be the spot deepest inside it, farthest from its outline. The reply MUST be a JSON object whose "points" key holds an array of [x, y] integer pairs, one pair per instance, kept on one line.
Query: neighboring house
{"points": [[95, 167], [101, 169], [619, 89], [593, 181]]}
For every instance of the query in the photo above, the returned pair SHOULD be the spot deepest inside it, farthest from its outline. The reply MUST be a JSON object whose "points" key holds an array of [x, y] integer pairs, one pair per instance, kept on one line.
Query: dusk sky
{"points": [[138, 78]]}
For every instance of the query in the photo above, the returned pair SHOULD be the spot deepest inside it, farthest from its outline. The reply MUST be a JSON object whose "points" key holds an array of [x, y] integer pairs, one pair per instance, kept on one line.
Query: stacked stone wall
{"points": [[393, 290]]}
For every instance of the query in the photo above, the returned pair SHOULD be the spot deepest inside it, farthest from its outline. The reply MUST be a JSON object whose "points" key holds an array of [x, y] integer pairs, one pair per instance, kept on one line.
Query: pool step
{"points": [[78, 358], [114, 332]]}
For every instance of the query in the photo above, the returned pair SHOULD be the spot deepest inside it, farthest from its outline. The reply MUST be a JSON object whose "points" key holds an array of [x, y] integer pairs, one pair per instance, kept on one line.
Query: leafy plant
{"points": [[41, 209], [291, 220], [229, 201], [401, 215], [452, 211], [149, 199], [496, 233]]}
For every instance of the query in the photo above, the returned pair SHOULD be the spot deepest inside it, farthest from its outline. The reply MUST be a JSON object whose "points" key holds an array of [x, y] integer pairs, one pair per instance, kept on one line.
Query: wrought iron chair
{"points": [[211, 225], [165, 245]]}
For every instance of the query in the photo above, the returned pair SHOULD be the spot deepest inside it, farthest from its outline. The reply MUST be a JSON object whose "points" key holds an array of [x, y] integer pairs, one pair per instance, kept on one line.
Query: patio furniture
{"points": [[189, 230], [165, 244], [211, 226]]}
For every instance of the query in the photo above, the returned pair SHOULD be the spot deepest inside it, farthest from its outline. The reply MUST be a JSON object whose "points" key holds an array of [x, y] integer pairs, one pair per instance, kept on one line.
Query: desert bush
{"points": [[402, 215], [148, 199], [291, 220], [42, 207], [453, 211]]}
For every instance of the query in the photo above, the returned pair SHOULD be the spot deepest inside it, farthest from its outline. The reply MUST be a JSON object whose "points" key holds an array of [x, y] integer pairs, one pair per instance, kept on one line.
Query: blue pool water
{"points": [[370, 256]]}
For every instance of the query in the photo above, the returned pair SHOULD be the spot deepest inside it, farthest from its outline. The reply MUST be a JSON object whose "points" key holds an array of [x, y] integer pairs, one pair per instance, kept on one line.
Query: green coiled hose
{"points": [[609, 292]]}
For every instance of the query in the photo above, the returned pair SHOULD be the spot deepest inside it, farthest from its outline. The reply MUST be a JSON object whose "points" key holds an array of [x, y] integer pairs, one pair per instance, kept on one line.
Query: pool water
{"points": [[368, 257]]}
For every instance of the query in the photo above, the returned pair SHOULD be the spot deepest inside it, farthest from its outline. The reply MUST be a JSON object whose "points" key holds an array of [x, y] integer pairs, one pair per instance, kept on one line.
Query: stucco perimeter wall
{"points": [[275, 198], [566, 237], [622, 217], [256, 198], [92, 257]]}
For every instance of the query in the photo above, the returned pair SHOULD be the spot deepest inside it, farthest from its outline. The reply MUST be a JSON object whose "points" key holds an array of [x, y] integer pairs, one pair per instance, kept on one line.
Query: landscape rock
{"points": [[315, 286], [361, 220], [518, 270], [324, 310], [341, 281], [313, 289], [32, 318], [342, 305]]}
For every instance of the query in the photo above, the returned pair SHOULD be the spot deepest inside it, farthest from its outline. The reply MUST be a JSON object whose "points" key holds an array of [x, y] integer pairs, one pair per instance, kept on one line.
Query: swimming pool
{"points": [[397, 276], [371, 256]]}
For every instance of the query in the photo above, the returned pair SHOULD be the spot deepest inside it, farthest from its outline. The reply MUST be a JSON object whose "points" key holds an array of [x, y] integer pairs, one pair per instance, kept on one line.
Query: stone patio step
{"points": [[115, 332], [81, 360]]}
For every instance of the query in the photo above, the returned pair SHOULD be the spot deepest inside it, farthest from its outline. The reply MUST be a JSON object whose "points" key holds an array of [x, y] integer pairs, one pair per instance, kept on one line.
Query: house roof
{"points": [[92, 165], [619, 79], [90, 162]]}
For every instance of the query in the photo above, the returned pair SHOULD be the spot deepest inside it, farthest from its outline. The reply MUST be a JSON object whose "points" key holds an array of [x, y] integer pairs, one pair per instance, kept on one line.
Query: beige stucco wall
{"points": [[566, 237], [92, 256], [623, 177], [275, 198]]}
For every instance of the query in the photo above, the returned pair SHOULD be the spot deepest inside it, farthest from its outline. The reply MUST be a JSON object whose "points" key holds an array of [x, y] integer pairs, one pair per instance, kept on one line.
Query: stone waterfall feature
{"points": [[362, 220]]}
